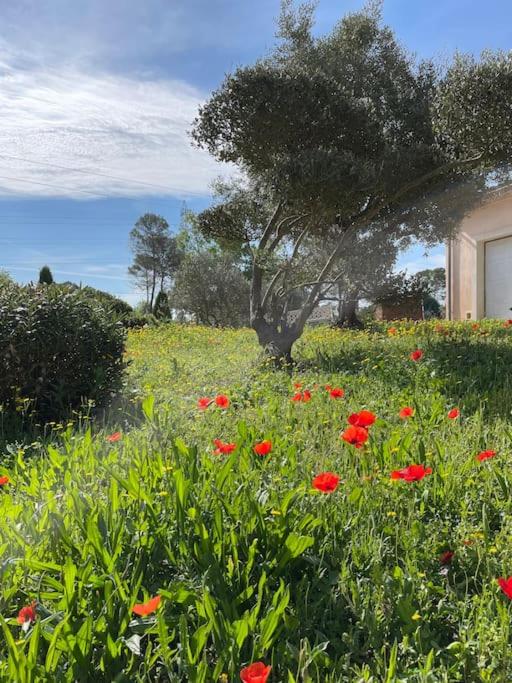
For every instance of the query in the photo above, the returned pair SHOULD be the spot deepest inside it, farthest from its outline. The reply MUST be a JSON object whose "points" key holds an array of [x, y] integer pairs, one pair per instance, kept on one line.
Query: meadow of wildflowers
{"points": [[348, 520]]}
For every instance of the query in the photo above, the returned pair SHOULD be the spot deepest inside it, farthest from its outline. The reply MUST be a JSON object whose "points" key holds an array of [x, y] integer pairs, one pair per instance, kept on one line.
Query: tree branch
{"points": [[285, 269], [257, 271], [369, 214], [371, 211], [280, 232], [312, 298], [270, 227], [310, 284]]}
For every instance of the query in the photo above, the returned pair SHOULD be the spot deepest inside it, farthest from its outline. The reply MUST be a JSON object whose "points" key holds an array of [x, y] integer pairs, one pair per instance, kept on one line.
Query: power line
{"points": [[74, 273], [95, 222], [89, 172], [63, 221], [91, 262], [90, 192], [67, 241], [59, 187]]}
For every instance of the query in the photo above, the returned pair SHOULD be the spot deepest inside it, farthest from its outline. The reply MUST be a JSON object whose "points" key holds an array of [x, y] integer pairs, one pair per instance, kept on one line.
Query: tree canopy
{"points": [[345, 133]]}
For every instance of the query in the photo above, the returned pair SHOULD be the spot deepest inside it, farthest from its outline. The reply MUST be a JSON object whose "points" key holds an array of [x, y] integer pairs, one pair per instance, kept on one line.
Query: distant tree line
{"points": [[187, 276]]}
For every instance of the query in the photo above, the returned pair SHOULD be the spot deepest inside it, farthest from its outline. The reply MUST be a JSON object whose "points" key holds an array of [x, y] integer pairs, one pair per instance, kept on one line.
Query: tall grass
{"points": [[252, 563]]}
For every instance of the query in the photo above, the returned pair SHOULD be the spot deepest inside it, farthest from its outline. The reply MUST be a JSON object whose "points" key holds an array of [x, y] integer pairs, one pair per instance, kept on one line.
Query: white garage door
{"points": [[498, 278]]}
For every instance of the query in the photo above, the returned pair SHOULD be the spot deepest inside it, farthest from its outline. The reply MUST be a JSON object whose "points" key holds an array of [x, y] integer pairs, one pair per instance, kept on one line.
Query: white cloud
{"points": [[436, 260], [133, 129]]}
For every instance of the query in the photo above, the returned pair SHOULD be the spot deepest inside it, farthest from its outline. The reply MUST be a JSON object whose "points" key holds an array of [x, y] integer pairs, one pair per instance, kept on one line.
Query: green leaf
{"points": [[148, 406], [355, 495]]}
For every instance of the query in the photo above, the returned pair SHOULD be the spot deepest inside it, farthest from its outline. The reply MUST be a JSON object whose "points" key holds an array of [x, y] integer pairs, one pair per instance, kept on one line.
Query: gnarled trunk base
{"points": [[276, 341], [348, 316], [280, 356]]}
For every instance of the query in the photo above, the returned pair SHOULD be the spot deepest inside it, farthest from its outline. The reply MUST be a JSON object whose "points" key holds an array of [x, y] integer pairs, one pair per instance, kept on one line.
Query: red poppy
{"points": [[356, 436], [391, 330], [4, 480], [116, 436], [304, 396], [297, 385], [406, 412], [506, 586], [507, 323], [203, 403], [328, 387], [336, 393], [145, 608], [453, 414], [222, 401], [485, 455], [327, 482], [364, 418], [27, 614], [263, 447], [255, 673], [416, 355], [223, 448], [446, 557], [475, 326], [411, 473]]}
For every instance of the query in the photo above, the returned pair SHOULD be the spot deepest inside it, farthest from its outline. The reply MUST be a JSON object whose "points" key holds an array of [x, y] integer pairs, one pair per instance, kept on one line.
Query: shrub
{"points": [[115, 306], [139, 320], [58, 347], [5, 279]]}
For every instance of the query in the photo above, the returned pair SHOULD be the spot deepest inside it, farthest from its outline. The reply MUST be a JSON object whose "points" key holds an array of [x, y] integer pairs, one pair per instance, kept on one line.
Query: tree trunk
{"points": [[276, 341], [340, 301], [348, 315], [153, 287]]}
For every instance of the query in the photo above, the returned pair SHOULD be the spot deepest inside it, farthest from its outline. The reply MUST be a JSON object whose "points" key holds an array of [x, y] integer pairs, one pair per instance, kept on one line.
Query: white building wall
{"points": [[466, 257]]}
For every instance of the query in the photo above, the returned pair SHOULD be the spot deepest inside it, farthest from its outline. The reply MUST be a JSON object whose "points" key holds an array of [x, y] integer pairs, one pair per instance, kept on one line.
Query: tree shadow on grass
{"points": [[470, 370], [475, 373], [31, 435]]}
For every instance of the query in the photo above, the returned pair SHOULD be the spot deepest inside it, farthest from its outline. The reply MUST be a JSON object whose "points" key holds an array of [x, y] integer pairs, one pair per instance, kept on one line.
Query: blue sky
{"points": [[96, 99]]}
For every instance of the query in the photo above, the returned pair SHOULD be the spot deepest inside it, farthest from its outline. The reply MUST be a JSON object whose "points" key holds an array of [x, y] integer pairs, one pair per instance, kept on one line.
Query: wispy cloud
{"points": [[435, 260], [74, 273], [135, 132]]}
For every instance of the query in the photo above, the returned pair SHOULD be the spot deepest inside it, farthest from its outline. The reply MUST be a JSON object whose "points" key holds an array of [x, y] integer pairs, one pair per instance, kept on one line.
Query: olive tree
{"points": [[372, 257], [340, 134], [211, 288]]}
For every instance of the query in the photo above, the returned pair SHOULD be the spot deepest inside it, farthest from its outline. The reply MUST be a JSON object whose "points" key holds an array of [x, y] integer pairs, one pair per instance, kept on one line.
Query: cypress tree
{"points": [[45, 276], [161, 308]]}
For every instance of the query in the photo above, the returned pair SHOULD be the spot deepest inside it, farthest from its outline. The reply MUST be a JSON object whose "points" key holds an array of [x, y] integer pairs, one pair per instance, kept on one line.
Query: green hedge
{"points": [[114, 305], [58, 348]]}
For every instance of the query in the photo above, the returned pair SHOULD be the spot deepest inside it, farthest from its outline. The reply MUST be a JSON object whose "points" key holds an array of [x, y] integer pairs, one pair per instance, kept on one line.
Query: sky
{"points": [[97, 100]]}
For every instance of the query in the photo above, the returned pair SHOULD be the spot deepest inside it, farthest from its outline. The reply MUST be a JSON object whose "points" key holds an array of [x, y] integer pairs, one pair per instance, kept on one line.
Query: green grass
{"points": [[251, 563]]}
